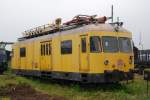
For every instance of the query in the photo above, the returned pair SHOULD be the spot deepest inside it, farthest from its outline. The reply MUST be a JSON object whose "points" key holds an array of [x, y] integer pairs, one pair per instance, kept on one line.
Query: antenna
{"points": [[140, 42], [118, 19], [112, 13]]}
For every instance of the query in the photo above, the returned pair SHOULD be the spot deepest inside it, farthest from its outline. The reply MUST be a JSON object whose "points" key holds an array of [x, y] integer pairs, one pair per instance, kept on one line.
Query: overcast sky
{"points": [[19, 15]]}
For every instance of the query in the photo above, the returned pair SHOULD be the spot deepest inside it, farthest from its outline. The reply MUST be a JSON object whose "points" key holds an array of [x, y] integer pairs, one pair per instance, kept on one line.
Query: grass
{"points": [[73, 91]]}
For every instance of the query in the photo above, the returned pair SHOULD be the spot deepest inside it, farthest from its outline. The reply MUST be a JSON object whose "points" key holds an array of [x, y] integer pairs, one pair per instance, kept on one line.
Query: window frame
{"points": [[131, 49], [83, 45], [117, 44], [70, 47], [50, 49], [100, 45], [47, 48], [22, 52], [41, 50]]}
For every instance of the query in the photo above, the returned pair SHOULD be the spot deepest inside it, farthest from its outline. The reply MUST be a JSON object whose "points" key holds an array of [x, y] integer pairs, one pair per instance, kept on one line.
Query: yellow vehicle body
{"points": [[43, 56]]}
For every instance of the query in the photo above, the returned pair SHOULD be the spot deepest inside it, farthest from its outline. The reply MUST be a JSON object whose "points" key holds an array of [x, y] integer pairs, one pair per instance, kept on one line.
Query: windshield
{"points": [[110, 44], [125, 44]]}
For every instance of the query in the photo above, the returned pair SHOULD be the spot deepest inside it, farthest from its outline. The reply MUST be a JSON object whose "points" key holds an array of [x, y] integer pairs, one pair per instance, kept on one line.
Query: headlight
{"points": [[106, 62]]}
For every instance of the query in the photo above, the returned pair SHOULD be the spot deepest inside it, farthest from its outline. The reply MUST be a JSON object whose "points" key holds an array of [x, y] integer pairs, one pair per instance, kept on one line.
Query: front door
{"points": [[84, 54], [46, 57]]}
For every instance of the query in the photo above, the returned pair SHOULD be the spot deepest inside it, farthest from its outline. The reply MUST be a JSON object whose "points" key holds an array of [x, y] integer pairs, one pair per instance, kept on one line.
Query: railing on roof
{"points": [[77, 21], [39, 30]]}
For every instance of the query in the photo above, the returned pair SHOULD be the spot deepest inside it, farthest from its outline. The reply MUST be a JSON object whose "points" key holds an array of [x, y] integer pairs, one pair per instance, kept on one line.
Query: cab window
{"points": [[125, 44], [95, 44], [110, 44]]}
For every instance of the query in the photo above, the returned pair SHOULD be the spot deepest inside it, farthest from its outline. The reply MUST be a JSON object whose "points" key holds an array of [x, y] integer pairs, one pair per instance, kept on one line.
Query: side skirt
{"points": [[80, 77]]}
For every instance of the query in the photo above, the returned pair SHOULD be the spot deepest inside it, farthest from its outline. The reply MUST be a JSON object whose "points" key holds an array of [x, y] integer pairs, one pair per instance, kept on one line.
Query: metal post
{"points": [[118, 19], [147, 87], [112, 13], [141, 43]]}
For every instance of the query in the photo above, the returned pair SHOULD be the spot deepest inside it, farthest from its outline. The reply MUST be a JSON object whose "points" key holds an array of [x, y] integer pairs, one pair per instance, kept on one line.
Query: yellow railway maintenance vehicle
{"points": [[84, 49]]}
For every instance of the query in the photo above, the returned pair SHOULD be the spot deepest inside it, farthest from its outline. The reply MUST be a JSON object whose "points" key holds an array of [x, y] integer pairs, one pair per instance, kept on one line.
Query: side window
{"points": [[41, 50], [95, 44], [83, 44], [66, 47], [47, 49], [44, 49], [23, 52]]}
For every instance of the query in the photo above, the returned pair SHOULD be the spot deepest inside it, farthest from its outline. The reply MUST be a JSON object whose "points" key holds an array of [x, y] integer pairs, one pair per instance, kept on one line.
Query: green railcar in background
{"points": [[4, 56]]}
